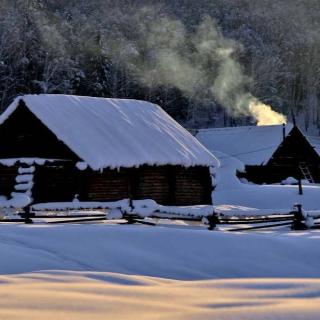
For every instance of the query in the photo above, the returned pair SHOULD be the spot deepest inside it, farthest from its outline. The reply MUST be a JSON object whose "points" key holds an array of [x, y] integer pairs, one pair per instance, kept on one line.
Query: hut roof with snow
{"points": [[270, 153], [252, 145], [98, 149], [113, 133]]}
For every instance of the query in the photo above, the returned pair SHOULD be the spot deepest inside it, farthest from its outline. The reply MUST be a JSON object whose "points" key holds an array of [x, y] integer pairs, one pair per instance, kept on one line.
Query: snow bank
{"points": [[241, 211], [289, 180], [273, 197], [17, 201], [141, 208], [226, 174], [137, 272], [116, 132], [84, 295], [144, 208], [230, 191], [174, 253], [185, 211], [147, 208], [311, 213]]}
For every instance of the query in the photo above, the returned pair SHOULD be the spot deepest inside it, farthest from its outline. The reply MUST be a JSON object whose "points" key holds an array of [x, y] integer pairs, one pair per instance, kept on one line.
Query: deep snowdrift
{"points": [[167, 252], [134, 272], [90, 295]]}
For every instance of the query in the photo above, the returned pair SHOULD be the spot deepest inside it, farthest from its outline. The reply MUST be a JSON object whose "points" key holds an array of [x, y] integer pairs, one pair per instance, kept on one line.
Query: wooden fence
{"points": [[297, 219]]}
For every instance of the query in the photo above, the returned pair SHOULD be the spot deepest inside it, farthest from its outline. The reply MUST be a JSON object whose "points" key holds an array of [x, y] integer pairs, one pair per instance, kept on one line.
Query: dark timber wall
{"points": [[153, 181], [23, 135], [170, 185], [109, 185], [192, 186]]}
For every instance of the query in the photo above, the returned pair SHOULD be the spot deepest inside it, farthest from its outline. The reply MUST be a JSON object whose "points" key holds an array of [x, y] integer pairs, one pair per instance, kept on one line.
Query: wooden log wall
{"points": [[7, 179], [153, 184], [167, 185], [110, 185], [192, 186]]}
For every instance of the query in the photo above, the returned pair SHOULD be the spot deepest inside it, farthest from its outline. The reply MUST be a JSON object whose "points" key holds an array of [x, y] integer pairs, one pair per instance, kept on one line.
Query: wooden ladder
{"points": [[306, 172]]}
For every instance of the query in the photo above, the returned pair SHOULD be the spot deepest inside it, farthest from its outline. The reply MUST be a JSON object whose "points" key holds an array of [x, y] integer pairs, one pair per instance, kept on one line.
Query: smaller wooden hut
{"points": [[270, 154], [56, 148]]}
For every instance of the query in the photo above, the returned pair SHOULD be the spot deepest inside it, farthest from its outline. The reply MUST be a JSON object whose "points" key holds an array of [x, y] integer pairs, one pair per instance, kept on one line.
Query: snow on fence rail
{"points": [[142, 208], [136, 210], [79, 205], [121, 209], [240, 211], [131, 210]]}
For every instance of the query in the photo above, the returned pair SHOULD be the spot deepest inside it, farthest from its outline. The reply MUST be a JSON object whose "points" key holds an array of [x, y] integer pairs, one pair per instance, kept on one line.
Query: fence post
{"points": [[26, 215], [300, 187], [213, 221], [298, 219]]}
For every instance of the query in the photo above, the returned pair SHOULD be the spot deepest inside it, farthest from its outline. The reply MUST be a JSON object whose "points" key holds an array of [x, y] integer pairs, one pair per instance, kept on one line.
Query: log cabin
{"points": [[270, 154], [57, 148]]}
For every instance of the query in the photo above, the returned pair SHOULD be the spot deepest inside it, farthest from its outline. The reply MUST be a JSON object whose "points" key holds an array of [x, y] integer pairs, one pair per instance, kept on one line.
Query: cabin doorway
{"points": [[54, 183]]}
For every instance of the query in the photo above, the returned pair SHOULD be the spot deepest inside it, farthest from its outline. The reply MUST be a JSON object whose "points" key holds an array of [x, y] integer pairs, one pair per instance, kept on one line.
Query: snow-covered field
{"points": [[231, 191], [234, 147], [170, 271], [107, 271]]}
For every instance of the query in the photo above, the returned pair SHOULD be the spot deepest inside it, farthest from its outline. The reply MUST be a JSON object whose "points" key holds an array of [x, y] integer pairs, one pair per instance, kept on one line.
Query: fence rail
{"points": [[297, 219]]}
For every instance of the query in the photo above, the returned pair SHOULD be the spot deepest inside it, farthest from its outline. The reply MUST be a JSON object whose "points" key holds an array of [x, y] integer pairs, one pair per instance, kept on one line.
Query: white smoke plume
{"points": [[264, 114], [158, 50], [201, 62]]}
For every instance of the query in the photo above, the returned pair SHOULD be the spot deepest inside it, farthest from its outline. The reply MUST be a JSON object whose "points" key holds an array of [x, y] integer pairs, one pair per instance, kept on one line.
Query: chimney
{"points": [[283, 131]]}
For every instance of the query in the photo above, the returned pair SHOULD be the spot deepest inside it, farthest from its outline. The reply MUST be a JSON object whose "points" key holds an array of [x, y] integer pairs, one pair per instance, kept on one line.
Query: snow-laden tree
{"points": [[112, 48]]}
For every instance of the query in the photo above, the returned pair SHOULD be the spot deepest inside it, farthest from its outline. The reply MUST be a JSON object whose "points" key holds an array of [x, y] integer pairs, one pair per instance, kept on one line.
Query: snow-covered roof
{"points": [[252, 145], [116, 132]]}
